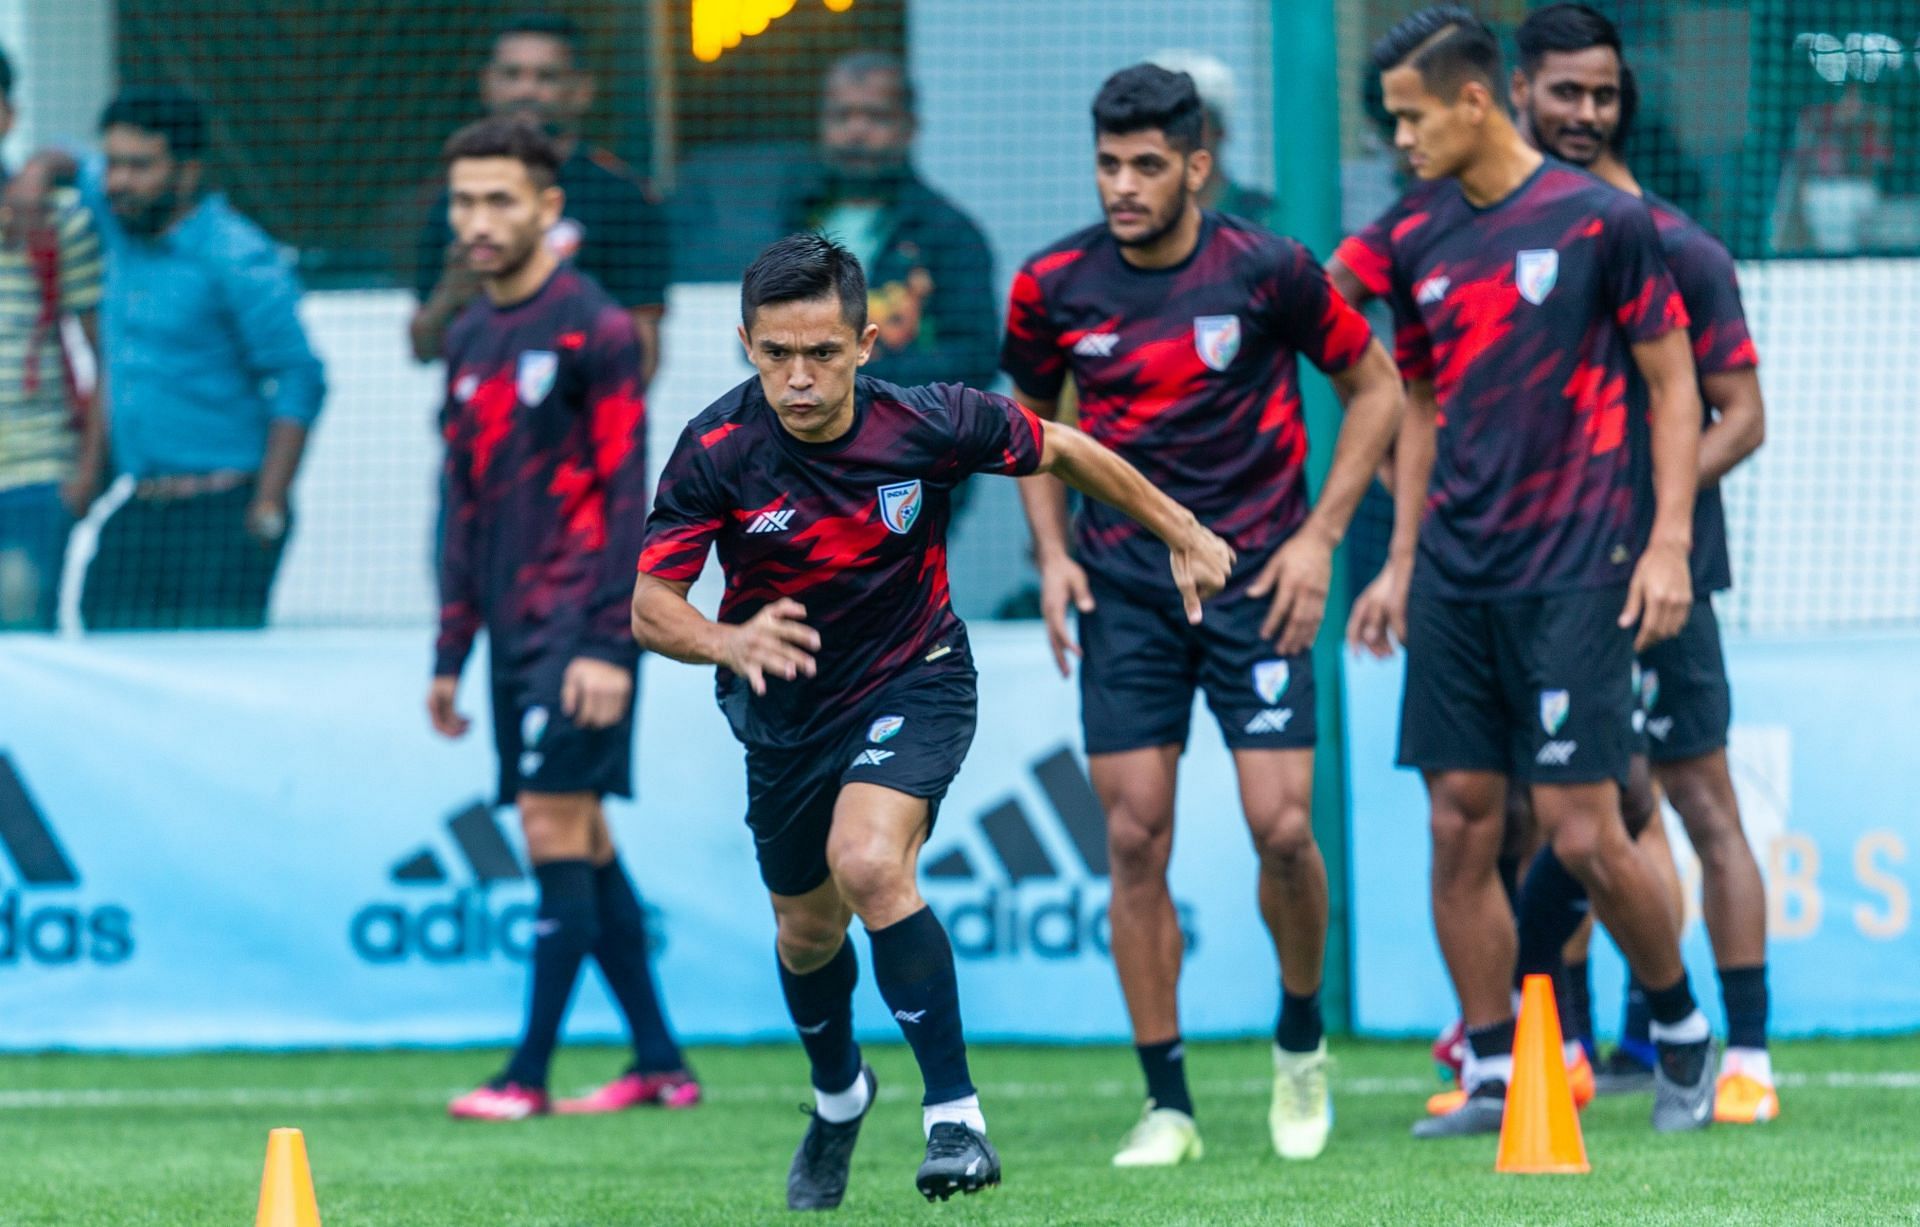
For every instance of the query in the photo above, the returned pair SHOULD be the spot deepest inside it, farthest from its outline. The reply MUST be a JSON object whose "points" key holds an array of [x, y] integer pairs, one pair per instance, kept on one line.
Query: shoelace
{"points": [[948, 1142]]}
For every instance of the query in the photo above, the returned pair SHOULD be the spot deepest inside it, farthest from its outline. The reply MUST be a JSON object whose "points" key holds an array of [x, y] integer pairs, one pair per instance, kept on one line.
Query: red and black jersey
{"points": [[1523, 315], [545, 479], [1190, 373], [1717, 324], [1368, 253], [855, 530]]}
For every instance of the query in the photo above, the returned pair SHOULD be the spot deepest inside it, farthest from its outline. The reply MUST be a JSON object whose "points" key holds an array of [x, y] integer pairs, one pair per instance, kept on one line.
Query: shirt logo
{"points": [[465, 386], [566, 237], [871, 758], [1216, 338], [884, 728], [1270, 680], [1535, 272], [900, 506], [535, 375], [1554, 706], [1432, 290], [1097, 344], [772, 521]]}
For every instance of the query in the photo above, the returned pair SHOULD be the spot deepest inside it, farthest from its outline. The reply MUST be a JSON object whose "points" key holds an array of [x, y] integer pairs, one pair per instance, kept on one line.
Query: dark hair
{"points": [[507, 136], [1629, 108], [866, 63], [6, 78], [557, 26], [163, 111], [1562, 27], [1147, 96], [1447, 45], [801, 268]]}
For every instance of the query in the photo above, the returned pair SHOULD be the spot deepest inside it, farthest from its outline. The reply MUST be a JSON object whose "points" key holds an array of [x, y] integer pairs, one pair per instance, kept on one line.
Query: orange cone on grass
{"points": [[286, 1187], [1541, 1129]]}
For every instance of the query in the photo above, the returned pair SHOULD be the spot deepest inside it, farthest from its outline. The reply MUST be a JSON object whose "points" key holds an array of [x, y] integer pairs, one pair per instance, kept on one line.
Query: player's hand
{"points": [[1660, 596], [594, 693], [266, 522], [1202, 565], [1063, 582], [447, 720], [772, 643], [1298, 575], [458, 282], [23, 205], [1378, 619]]}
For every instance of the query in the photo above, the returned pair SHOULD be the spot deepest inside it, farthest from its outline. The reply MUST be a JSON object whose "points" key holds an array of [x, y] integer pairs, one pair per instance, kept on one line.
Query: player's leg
{"points": [[1629, 1067]]}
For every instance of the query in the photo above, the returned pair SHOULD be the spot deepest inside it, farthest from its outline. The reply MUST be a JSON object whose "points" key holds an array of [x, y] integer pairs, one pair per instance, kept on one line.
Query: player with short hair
{"points": [[1525, 294], [546, 489], [1182, 329], [843, 670]]}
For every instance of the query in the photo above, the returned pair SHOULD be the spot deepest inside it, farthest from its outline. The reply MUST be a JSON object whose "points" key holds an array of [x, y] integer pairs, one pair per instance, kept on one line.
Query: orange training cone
{"points": [[1541, 1129], [286, 1187]]}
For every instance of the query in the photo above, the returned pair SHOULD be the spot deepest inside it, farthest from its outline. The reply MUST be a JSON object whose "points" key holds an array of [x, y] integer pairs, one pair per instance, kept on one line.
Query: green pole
{"points": [[1306, 165]]}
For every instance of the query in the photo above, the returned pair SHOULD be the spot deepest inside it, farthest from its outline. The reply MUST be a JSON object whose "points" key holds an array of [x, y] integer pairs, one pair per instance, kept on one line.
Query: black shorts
{"points": [[1539, 688], [1683, 687], [541, 750], [911, 737], [1141, 661]]}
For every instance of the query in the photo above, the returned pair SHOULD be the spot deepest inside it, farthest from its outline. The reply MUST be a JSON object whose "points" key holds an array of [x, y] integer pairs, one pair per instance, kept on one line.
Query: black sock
{"points": [[1744, 992], [821, 1003], [1165, 1065], [913, 966], [1552, 904], [627, 965], [1682, 1062], [1300, 1028], [1579, 1003], [1635, 1020], [1671, 1004], [1494, 1041], [567, 928]]}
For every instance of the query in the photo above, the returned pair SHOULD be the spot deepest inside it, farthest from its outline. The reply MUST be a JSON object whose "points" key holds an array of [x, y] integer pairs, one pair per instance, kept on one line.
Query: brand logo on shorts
{"points": [[1661, 728], [1554, 705], [900, 506], [1272, 720], [772, 521], [534, 377], [1216, 338], [1270, 679], [884, 728], [533, 726], [871, 758], [1097, 344], [1556, 753], [1535, 273]]}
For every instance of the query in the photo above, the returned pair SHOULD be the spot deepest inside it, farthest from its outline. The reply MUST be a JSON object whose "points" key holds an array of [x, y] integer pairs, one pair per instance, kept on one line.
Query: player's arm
{"points": [[1063, 581], [775, 642], [459, 593], [1740, 426], [1201, 561], [646, 331], [1346, 282], [453, 286], [1660, 597], [1379, 616]]}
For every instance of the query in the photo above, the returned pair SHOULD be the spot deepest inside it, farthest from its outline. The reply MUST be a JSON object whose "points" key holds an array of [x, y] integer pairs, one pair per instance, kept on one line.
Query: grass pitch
{"points": [[178, 1142]]}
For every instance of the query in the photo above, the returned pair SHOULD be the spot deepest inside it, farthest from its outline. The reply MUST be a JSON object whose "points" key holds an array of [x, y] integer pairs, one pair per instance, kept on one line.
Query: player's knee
{"points": [[1137, 847], [1283, 836], [870, 877], [1580, 841], [1709, 812], [1638, 806], [807, 943]]}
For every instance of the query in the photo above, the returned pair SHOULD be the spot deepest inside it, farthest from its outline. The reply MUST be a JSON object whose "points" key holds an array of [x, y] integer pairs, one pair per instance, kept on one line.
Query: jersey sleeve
{"points": [[688, 511], [1031, 354], [1639, 287], [993, 434], [1717, 322], [1367, 254], [1308, 314], [617, 430]]}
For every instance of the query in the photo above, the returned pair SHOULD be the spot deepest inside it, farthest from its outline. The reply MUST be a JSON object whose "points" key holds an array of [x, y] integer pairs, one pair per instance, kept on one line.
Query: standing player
{"points": [[1181, 328], [1573, 91], [546, 481], [1524, 295], [843, 669]]}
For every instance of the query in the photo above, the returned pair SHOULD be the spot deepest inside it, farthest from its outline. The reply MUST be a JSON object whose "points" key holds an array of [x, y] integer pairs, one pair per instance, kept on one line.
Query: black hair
{"points": [[865, 63], [507, 136], [557, 26], [1447, 45], [164, 111], [803, 267], [1147, 96], [1629, 108], [1563, 27], [6, 77]]}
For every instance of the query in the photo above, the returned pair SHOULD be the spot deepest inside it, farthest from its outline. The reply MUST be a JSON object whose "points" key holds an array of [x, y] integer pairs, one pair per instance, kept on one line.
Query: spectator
{"points": [[929, 273], [50, 441], [1217, 87], [213, 384], [611, 228]]}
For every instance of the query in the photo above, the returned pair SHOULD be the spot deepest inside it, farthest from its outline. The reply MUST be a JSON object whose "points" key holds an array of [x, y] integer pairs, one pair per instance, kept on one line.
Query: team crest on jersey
{"points": [[900, 506], [884, 728], [1270, 680], [1216, 338], [1535, 273], [534, 377], [465, 386], [565, 238], [1554, 706]]}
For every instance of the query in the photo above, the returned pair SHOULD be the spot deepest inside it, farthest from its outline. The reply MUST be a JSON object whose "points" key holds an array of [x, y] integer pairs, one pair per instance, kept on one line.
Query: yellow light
{"points": [[838, 6], [718, 25]]}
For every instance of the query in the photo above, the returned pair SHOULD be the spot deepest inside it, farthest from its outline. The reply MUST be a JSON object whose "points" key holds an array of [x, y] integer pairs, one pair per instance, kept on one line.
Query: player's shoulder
{"points": [[1683, 235], [1249, 244], [586, 299], [1423, 213], [467, 326], [730, 426], [935, 402], [1053, 261]]}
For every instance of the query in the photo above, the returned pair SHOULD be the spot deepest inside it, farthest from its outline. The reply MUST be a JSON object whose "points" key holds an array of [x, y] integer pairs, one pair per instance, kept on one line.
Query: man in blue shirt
{"points": [[212, 385]]}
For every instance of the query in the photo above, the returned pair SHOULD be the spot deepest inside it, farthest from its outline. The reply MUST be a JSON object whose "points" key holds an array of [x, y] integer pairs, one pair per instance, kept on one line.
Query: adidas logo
{"points": [[1015, 890], [772, 521], [57, 933], [1097, 345]]}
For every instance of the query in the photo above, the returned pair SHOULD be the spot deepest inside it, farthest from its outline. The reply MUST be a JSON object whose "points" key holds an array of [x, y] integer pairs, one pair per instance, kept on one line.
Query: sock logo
{"points": [[37, 930], [1019, 888], [906, 1016]]}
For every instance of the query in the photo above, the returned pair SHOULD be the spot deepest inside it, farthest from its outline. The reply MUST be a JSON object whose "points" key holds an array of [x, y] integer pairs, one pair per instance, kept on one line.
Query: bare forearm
{"points": [[667, 624], [1100, 474], [286, 441], [1740, 428], [428, 329], [1044, 498], [1412, 471], [1676, 464], [1374, 405]]}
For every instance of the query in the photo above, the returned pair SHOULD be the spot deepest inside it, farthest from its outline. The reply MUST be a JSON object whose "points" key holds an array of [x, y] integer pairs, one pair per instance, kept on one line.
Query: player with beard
{"points": [[1182, 329], [546, 489]]}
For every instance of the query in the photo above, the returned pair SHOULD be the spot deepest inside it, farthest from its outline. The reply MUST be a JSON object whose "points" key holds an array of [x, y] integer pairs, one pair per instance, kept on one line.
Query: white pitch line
{"points": [[324, 1097]]}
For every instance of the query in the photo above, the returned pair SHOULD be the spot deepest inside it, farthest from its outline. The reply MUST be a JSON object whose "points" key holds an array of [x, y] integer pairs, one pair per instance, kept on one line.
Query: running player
{"points": [[1181, 328], [1524, 296], [545, 486], [843, 670]]}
